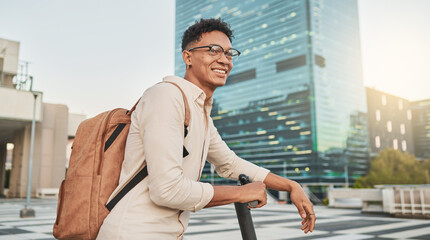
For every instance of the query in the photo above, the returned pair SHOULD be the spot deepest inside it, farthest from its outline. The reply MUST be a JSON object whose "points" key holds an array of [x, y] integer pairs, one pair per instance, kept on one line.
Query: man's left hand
{"points": [[305, 208]]}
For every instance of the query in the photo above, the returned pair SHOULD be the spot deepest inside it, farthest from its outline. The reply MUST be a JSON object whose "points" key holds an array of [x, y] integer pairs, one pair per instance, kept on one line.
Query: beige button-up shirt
{"points": [[159, 206]]}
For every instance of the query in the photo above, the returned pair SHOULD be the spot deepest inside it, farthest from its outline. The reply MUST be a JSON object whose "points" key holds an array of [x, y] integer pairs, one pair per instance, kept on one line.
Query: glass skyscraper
{"points": [[295, 100]]}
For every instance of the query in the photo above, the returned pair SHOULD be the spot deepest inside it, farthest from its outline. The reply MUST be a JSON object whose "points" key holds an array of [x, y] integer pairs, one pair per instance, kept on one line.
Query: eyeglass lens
{"points": [[217, 51]]}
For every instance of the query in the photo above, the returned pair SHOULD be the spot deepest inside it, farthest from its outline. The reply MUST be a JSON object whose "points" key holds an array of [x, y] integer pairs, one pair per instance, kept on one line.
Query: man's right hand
{"points": [[254, 191]]}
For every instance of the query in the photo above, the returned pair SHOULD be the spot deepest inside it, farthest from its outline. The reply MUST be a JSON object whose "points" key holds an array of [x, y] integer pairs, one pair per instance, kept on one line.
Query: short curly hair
{"points": [[195, 31]]}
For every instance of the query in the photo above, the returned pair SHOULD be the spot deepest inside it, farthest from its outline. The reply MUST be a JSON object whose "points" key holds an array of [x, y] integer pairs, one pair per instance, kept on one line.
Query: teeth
{"points": [[217, 70]]}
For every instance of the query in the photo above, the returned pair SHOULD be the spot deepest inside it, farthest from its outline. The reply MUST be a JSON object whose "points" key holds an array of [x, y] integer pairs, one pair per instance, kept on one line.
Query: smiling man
{"points": [[159, 206]]}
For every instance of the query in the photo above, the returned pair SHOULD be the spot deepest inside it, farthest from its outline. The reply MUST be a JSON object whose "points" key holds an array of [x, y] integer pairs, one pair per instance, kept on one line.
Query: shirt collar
{"points": [[190, 90]]}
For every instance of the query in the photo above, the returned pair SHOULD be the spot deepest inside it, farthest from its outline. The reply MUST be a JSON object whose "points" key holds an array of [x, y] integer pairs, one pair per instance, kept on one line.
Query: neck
{"points": [[206, 89]]}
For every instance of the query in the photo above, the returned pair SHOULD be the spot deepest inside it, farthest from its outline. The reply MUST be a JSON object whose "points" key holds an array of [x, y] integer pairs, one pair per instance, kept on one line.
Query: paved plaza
{"points": [[271, 222]]}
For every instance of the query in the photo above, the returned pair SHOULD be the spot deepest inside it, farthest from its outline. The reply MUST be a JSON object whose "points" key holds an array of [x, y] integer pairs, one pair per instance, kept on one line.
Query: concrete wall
{"points": [[49, 152], [21, 151], [9, 54], [9, 51], [18, 105], [74, 121]]}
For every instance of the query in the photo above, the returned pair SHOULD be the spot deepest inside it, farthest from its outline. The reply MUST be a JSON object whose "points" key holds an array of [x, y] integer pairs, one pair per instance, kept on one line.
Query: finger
{"points": [[310, 229], [310, 223], [264, 200], [306, 220], [306, 230], [306, 225], [301, 210], [312, 220], [313, 223], [260, 204], [303, 225]]}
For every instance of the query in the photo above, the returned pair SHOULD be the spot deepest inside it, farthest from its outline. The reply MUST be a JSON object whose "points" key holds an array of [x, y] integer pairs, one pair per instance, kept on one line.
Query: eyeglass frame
{"points": [[224, 51]]}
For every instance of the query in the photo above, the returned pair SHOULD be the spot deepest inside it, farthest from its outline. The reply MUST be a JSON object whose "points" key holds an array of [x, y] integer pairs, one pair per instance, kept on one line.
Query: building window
{"points": [[400, 104], [395, 144], [384, 100], [404, 147], [378, 115], [320, 61], [291, 63], [402, 129], [242, 76], [377, 142], [409, 114], [389, 126]]}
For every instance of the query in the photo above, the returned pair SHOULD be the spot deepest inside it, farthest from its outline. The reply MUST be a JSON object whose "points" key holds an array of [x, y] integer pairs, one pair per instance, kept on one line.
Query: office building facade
{"points": [[294, 101], [18, 108], [421, 128], [389, 122]]}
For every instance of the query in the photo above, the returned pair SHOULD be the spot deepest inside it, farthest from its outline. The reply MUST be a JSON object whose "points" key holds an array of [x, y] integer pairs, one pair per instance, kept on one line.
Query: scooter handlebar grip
{"points": [[253, 204]]}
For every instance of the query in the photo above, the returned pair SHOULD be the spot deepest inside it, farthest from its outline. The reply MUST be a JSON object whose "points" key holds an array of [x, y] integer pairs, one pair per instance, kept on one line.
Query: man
{"points": [[159, 206]]}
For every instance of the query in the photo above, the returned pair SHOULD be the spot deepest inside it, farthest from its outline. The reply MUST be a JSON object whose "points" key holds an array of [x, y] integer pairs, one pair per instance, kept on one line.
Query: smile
{"points": [[219, 71]]}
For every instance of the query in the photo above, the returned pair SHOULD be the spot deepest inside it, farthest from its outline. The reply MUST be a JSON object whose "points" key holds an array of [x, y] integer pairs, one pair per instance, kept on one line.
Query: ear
{"points": [[186, 57]]}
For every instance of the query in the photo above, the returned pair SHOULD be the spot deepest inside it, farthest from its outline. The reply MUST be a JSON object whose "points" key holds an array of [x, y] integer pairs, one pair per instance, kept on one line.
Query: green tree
{"points": [[394, 167]]}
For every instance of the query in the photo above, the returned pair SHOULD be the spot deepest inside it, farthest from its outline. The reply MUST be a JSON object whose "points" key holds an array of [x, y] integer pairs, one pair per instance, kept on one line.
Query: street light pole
{"points": [[346, 162], [285, 168], [28, 212], [346, 177]]}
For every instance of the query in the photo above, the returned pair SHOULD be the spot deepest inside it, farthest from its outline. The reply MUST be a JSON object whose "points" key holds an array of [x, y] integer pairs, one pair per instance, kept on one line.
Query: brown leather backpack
{"points": [[93, 173]]}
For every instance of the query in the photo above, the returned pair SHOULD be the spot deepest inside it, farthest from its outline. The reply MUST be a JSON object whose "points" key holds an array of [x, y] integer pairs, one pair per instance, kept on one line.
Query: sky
{"points": [[97, 55]]}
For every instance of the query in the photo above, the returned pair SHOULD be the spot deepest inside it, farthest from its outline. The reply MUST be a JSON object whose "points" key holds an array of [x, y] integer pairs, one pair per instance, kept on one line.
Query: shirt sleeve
{"points": [[161, 124], [227, 163]]}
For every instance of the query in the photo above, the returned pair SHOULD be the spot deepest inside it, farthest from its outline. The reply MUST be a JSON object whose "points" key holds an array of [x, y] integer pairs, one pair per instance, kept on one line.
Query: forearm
{"points": [[229, 194], [279, 183], [224, 195]]}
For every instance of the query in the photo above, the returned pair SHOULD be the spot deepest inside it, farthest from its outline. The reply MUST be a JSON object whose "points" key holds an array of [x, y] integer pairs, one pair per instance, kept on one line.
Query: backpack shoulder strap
{"points": [[129, 112], [187, 107]]}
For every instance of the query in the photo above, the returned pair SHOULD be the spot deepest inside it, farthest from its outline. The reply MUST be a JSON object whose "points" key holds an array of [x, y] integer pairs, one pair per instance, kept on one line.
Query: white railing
{"points": [[411, 200], [399, 200]]}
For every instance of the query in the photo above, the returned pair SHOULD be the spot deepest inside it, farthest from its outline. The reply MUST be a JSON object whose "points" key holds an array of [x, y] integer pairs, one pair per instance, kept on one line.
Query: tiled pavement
{"points": [[271, 222], [12, 227]]}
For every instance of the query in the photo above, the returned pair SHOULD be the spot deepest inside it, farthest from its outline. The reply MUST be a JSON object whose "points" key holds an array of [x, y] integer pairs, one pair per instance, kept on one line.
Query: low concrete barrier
{"points": [[369, 200], [47, 192]]}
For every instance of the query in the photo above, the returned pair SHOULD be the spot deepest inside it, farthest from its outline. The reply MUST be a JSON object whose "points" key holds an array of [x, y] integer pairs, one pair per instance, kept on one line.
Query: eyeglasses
{"points": [[216, 52]]}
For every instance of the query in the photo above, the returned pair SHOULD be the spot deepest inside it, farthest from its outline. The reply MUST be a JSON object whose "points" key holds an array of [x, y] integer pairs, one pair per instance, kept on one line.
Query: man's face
{"points": [[210, 71]]}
